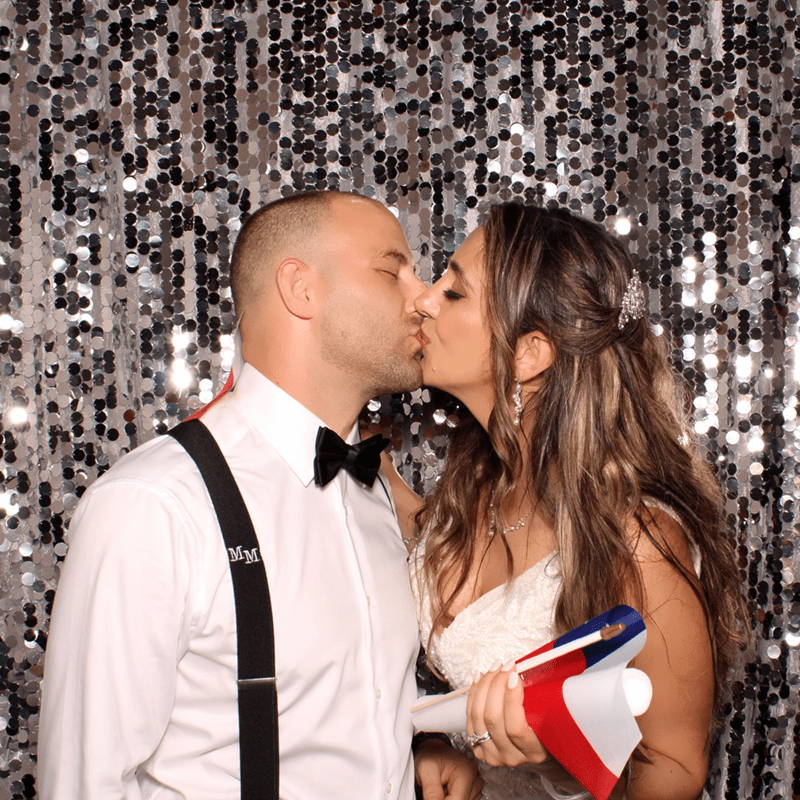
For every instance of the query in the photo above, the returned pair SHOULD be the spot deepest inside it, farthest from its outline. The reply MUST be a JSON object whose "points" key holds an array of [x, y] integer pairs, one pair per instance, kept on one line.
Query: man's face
{"points": [[368, 322]]}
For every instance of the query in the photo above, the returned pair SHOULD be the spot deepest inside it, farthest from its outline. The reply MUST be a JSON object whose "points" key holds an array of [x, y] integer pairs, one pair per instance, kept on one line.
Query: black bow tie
{"points": [[362, 460]]}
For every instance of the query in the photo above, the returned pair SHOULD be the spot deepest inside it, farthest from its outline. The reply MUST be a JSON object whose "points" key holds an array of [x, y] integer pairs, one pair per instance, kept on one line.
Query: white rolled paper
{"points": [[447, 713], [638, 690]]}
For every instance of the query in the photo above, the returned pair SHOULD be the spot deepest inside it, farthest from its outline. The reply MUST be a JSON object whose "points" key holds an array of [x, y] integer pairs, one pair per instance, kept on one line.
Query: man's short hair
{"points": [[266, 233]]}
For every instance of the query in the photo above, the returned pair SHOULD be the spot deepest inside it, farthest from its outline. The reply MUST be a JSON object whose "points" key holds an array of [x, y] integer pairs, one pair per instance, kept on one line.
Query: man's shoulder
{"points": [[150, 500], [163, 467], [158, 463], [158, 474]]}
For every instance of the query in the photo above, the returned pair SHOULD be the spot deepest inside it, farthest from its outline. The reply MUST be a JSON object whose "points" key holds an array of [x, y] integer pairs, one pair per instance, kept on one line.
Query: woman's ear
{"points": [[535, 353], [296, 285]]}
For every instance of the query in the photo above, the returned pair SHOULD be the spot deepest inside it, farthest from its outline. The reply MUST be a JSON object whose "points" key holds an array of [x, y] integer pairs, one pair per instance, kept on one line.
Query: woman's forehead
{"points": [[468, 259]]}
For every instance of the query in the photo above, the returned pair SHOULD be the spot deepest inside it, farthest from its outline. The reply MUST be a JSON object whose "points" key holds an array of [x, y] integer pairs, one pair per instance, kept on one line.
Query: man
{"points": [[140, 691]]}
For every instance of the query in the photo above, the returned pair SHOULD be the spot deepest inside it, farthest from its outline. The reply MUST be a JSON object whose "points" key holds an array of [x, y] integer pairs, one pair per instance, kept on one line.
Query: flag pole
{"points": [[603, 635]]}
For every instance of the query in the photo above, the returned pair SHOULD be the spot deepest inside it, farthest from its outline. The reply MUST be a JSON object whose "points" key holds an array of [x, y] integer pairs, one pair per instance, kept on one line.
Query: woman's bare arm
{"points": [[677, 658], [407, 502]]}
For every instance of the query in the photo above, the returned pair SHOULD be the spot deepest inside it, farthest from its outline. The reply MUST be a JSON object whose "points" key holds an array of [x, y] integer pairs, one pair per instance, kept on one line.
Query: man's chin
{"points": [[428, 379], [415, 371], [407, 379], [415, 376]]}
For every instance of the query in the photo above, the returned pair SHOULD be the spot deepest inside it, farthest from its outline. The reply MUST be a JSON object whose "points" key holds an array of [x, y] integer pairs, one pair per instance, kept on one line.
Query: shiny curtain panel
{"points": [[135, 134]]}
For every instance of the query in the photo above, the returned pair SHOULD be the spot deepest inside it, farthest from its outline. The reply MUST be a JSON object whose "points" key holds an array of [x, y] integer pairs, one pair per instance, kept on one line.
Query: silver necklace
{"points": [[505, 530]]}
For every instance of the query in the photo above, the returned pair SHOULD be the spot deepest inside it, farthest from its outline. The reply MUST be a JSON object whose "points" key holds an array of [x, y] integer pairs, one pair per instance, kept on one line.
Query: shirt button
{"points": [[388, 788], [378, 695]]}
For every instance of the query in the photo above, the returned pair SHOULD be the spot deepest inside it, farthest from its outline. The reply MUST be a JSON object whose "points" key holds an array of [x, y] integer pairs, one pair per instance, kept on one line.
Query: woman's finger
{"points": [[519, 732], [476, 700], [500, 749]]}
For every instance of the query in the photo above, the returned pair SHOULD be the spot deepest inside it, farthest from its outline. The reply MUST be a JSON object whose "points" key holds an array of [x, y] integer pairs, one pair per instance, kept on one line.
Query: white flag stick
{"points": [[604, 634]]}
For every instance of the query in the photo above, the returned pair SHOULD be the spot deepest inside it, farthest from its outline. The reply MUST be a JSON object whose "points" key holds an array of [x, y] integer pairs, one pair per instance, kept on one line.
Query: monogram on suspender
{"points": [[255, 637]]}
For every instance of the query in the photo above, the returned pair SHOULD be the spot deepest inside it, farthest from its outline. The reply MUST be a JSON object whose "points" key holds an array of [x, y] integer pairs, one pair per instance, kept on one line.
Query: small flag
{"points": [[576, 702]]}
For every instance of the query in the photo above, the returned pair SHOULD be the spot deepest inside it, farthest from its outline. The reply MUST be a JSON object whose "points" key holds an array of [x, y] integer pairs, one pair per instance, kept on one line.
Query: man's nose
{"points": [[415, 289], [426, 303]]}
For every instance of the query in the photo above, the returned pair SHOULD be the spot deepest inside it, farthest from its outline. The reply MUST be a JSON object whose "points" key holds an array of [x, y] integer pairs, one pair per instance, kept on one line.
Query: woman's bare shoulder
{"points": [[654, 531]]}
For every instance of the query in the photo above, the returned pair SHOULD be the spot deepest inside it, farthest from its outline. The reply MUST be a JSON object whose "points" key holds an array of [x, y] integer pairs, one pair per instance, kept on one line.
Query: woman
{"points": [[571, 486]]}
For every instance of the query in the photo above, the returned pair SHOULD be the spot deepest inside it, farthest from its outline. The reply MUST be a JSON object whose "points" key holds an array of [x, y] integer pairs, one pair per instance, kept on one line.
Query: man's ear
{"points": [[296, 283], [535, 353]]}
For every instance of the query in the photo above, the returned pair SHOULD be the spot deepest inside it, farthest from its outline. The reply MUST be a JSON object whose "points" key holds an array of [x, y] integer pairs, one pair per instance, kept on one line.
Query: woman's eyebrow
{"points": [[459, 270]]}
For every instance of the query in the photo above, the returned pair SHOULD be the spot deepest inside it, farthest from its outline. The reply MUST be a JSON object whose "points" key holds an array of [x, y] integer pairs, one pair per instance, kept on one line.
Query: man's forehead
{"points": [[365, 206], [358, 203], [366, 219]]}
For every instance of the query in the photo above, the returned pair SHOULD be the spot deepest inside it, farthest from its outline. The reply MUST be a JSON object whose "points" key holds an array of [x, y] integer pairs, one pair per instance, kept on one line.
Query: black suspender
{"points": [[255, 642]]}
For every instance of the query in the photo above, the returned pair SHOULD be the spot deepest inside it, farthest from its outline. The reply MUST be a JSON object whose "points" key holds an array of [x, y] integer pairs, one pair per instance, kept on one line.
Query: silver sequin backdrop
{"points": [[135, 133]]}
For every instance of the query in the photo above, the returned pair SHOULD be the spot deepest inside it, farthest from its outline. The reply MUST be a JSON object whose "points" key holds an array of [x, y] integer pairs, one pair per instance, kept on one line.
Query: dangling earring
{"points": [[518, 402]]}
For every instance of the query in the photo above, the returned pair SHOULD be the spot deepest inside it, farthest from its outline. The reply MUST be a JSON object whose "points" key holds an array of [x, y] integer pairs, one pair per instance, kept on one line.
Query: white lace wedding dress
{"points": [[501, 625], [509, 621]]}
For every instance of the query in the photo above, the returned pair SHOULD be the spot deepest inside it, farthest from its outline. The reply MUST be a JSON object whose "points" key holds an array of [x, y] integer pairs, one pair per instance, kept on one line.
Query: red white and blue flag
{"points": [[576, 703]]}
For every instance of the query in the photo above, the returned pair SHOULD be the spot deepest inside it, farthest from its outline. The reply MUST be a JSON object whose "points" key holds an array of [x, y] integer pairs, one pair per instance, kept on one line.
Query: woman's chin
{"points": [[429, 376]]}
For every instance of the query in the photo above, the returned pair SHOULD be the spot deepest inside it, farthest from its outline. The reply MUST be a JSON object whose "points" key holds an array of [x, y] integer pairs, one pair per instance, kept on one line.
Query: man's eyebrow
{"points": [[459, 270], [397, 255]]}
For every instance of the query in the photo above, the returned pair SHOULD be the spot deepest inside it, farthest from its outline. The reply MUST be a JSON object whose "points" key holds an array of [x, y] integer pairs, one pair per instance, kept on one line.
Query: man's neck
{"points": [[337, 408], [335, 403]]}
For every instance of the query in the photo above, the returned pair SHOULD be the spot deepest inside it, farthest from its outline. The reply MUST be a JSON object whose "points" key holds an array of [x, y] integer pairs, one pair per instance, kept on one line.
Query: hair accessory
{"points": [[633, 302], [518, 402]]}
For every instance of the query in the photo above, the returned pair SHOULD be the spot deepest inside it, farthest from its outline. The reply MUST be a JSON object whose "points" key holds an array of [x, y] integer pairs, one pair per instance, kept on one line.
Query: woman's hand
{"points": [[494, 704]]}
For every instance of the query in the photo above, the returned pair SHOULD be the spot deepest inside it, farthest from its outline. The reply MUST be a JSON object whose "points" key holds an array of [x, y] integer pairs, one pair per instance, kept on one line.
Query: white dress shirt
{"points": [[140, 681]]}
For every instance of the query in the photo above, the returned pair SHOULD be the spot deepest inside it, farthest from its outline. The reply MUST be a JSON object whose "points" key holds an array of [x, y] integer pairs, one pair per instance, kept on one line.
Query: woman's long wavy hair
{"points": [[608, 428]]}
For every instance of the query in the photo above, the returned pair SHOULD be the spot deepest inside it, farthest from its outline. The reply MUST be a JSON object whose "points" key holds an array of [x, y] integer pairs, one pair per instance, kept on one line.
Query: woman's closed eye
{"points": [[451, 295]]}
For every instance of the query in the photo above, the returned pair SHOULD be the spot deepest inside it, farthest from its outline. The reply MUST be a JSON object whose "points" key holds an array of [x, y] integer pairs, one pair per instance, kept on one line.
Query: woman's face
{"points": [[455, 339]]}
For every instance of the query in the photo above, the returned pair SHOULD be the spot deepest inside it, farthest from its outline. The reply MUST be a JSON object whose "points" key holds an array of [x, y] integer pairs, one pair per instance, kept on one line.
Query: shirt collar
{"points": [[283, 421]]}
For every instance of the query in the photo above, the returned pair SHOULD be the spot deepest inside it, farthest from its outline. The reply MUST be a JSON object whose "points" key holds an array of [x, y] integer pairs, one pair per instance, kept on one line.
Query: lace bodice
{"points": [[505, 623], [502, 624]]}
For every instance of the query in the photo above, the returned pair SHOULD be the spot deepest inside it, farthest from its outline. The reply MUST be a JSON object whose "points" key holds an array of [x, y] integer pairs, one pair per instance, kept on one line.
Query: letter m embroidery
{"points": [[240, 554]]}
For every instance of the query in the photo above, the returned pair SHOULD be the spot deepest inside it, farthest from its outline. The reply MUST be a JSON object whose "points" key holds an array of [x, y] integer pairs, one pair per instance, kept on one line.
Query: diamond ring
{"points": [[474, 739]]}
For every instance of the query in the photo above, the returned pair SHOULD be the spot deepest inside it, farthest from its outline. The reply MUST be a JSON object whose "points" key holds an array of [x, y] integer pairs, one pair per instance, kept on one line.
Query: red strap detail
{"points": [[225, 389]]}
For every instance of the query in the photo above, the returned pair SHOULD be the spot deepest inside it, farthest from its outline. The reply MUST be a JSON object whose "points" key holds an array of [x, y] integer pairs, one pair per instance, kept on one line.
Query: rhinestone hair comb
{"points": [[633, 302]]}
